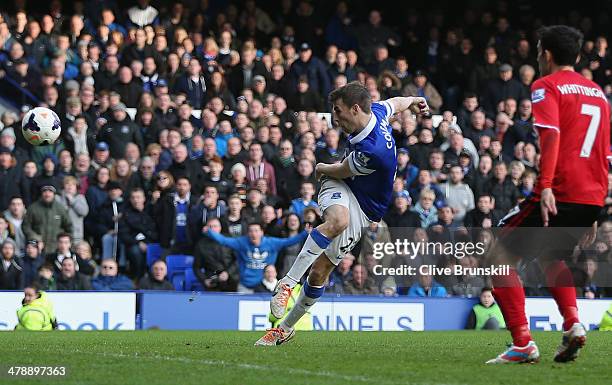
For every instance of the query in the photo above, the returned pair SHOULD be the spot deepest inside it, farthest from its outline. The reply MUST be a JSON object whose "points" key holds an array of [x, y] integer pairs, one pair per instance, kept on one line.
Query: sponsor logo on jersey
{"points": [[336, 195], [538, 95]]}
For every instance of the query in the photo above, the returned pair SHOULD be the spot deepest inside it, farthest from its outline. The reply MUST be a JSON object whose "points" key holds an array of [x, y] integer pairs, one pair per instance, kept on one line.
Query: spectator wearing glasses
{"points": [[110, 279]]}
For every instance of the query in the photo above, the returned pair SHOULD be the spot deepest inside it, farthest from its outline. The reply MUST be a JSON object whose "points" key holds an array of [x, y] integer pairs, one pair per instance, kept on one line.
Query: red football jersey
{"points": [[578, 109]]}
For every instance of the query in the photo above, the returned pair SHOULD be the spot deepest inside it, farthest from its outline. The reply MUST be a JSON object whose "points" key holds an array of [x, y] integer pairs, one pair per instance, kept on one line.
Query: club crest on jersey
{"points": [[336, 195], [362, 158], [538, 95]]}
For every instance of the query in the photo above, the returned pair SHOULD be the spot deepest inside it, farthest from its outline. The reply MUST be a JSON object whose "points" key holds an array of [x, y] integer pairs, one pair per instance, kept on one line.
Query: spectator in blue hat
{"points": [[101, 156], [160, 87]]}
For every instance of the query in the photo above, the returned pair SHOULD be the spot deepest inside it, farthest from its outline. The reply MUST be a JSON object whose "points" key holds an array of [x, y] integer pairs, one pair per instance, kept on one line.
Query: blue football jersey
{"points": [[372, 158]]}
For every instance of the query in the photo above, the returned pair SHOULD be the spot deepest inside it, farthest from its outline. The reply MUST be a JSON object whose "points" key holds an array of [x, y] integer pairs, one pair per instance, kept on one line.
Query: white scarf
{"points": [[80, 140], [270, 285]]}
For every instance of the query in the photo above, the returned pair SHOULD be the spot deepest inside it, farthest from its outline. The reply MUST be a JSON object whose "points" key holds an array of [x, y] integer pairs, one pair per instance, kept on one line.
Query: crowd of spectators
{"points": [[197, 125]]}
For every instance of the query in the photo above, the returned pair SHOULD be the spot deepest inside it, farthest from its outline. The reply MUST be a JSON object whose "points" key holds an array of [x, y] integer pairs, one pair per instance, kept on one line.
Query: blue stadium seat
{"points": [[192, 282], [153, 253], [178, 264], [178, 281]]}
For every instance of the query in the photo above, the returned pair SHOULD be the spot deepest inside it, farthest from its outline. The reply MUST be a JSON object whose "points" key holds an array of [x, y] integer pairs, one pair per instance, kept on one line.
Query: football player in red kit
{"points": [[572, 118]]}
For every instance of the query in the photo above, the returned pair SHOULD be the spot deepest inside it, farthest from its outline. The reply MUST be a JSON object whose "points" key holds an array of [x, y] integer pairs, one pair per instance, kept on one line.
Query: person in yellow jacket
{"points": [[606, 321], [36, 312], [486, 315], [305, 323]]}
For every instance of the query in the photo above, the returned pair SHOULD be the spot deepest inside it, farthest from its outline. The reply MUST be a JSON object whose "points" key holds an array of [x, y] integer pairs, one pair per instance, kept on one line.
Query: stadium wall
{"points": [[215, 311], [78, 310]]}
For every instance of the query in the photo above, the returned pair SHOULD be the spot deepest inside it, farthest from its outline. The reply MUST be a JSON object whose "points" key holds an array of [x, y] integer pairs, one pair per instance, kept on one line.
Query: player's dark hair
{"points": [[255, 223], [485, 289], [562, 41], [351, 94]]}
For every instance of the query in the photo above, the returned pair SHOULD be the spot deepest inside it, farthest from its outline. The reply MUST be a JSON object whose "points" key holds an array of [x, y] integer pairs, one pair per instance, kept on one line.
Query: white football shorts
{"points": [[336, 192]]}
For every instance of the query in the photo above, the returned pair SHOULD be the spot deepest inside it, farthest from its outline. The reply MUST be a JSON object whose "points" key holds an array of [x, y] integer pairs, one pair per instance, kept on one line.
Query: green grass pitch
{"points": [[205, 358]]}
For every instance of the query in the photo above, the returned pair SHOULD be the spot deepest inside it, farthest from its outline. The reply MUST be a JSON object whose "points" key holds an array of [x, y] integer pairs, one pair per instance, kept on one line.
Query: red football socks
{"points": [[510, 297], [561, 285]]}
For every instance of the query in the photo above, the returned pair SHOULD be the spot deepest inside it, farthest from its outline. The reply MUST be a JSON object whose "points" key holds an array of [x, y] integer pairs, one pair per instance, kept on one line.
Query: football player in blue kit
{"points": [[353, 194]]}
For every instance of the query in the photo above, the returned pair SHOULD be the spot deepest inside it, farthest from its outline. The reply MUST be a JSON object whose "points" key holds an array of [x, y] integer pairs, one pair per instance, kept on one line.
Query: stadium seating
{"points": [[192, 282], [177, 264], [178, 281], [153, 253]]}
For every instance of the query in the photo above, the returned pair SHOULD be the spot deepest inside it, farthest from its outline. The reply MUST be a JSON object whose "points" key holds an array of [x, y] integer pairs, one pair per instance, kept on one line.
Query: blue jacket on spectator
{"points": [[252, 260], [436, 290], [298, 206], [165, 160], [108, 283], [221, 142], [410, 173], [415, 194], [427, 218]]}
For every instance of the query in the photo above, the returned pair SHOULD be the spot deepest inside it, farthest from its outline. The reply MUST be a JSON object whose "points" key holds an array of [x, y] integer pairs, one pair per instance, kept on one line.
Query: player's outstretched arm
{"points": [[415, 104]]}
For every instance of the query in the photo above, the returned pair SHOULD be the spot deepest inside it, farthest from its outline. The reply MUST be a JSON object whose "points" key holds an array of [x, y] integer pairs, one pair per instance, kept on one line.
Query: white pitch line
{"points": [[245, 366], [209, 362]]}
